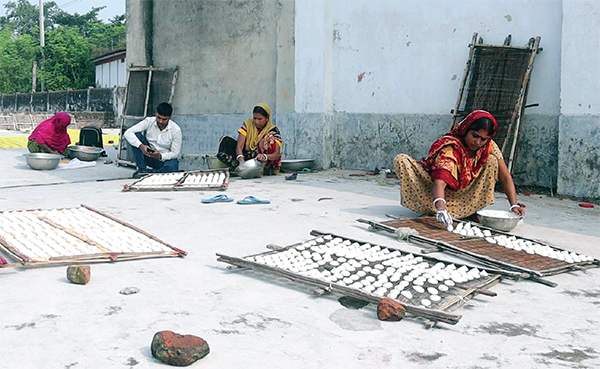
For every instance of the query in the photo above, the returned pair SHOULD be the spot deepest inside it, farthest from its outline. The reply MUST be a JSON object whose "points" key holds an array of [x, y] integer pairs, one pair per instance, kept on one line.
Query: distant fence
{"points": [[107, 100]]}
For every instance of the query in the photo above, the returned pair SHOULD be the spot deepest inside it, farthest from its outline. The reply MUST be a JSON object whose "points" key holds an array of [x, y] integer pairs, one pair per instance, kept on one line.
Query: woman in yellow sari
{"points": [[258, 138]]}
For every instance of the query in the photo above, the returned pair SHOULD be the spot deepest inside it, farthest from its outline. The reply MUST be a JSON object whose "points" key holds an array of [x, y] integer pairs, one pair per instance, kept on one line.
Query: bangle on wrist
{"points": [[514, 206], [438, 199], [239, 156]]}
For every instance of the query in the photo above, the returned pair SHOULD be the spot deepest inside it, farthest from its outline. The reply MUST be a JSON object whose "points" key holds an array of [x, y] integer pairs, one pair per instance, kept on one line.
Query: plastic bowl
{"points": [[249, 169], [42, 161], [498, 219], [85, 153]]}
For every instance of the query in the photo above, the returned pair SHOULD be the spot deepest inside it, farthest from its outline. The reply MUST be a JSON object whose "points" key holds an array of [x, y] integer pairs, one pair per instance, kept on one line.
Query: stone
{"points": [[79, 274], [178, 350], [129, 290], [390, 310]]}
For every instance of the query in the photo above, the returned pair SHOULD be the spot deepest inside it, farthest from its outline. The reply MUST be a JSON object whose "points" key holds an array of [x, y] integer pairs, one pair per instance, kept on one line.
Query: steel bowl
{"points": [[249, 169], [85, 153], [42, 161], [498, 219], [296, 165]]}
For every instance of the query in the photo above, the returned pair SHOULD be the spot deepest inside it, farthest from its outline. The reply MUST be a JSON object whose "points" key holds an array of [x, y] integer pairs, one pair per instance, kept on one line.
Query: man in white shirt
{"points": [[156, 143]]}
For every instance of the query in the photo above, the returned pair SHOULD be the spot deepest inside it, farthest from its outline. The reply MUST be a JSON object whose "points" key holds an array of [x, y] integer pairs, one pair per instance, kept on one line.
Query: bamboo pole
{"points": [[464, 79]]}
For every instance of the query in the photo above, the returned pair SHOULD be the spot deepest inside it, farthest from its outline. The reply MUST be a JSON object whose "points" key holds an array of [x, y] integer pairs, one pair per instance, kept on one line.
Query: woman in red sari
{"points": [[458, 176], [51, 136]]}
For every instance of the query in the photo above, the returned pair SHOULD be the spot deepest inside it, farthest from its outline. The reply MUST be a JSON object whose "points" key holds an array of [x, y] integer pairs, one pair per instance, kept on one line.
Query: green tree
{"points": [[72, 40], [67, 62], [17, 54]]}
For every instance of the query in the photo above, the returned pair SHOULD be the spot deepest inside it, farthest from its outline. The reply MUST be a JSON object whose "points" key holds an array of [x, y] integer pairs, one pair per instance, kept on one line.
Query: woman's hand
{"points": [[262, 157], [518, 209]]}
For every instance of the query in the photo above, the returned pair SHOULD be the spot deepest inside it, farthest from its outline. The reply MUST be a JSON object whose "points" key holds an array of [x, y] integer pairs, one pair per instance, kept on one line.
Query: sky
{"points": [[113, 7]]}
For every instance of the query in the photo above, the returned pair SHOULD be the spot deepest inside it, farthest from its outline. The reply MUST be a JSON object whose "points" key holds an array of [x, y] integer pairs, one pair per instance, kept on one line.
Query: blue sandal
{"points": [[218, 198], [248, 200]]}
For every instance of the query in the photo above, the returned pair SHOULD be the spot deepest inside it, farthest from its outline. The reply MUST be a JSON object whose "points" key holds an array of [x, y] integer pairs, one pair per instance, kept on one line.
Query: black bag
{"points": [[91, 136]]}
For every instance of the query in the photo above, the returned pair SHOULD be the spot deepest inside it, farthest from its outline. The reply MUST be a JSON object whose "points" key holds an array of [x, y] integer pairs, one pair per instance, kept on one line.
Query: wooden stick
{"points": [[429, 313], [464, 79]]}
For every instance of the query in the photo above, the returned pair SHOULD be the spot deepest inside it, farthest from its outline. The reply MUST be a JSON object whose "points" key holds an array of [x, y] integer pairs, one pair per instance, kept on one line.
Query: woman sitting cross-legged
{"points": [[459, 175], [258, 139]]}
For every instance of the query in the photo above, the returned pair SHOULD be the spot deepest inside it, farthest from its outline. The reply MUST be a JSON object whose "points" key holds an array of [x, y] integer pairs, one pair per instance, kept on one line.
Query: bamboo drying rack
{"points": [[439, 314], [179, 185], [436, 239], [107, 256]]}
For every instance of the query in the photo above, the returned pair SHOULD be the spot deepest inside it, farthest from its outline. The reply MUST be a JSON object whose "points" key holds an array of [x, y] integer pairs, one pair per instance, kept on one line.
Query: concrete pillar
{"points": [[139, 32], [579, 122]]}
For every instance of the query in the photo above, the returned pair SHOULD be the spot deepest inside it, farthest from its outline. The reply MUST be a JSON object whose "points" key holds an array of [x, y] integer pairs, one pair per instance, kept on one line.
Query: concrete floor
{"points": [[254, 321]]}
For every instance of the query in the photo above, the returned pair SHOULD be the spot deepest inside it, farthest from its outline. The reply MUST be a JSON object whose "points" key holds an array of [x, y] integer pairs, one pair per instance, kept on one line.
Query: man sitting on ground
{"points": [[156, 143]]}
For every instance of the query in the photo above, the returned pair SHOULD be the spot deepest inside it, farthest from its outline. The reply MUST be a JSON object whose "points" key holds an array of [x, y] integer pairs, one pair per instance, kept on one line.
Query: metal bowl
{"points": [[42, 161], [85, 153], [294, 165], [498, 219], [249, 169]]}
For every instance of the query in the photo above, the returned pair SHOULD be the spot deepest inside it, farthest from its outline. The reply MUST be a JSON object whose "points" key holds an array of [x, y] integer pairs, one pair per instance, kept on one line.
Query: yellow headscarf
{"points": [[253, 137]]}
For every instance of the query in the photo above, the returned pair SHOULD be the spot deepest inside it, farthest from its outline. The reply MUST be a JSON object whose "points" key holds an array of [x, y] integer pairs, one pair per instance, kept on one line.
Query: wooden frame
{"points": [[438, 314], [453, 246], [105, 256], [122, 118], [515, 123]]}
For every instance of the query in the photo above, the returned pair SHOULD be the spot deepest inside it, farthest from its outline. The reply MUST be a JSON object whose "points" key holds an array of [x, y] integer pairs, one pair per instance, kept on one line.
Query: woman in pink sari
{"points": [[51, 136]]}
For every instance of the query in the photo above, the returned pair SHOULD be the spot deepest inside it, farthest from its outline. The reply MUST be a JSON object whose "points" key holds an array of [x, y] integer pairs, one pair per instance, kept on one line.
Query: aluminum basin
{"points": [[42, 161], [85, 153], [498, 219], [296, 165], [249, 169]]}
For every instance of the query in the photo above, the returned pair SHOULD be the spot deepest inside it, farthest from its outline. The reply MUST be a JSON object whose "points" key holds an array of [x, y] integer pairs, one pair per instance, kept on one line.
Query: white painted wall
{"points": [[408, 56], [111, 74], [580, 77]]}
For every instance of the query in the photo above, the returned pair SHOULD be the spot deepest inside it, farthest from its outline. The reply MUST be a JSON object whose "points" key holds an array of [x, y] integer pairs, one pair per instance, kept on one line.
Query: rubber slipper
{"points": [[306, 170], [248, 200], [218, 198], [291, 177]]}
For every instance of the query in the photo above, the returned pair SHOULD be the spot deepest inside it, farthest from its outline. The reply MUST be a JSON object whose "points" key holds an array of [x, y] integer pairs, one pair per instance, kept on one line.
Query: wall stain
{"points": [[454, 77], [408, 43], [363, 75], [336, 35], [508, 17]]}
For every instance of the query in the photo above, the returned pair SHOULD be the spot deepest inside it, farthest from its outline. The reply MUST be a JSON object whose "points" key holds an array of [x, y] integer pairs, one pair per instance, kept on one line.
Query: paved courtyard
{"points": [[255, 321]]}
